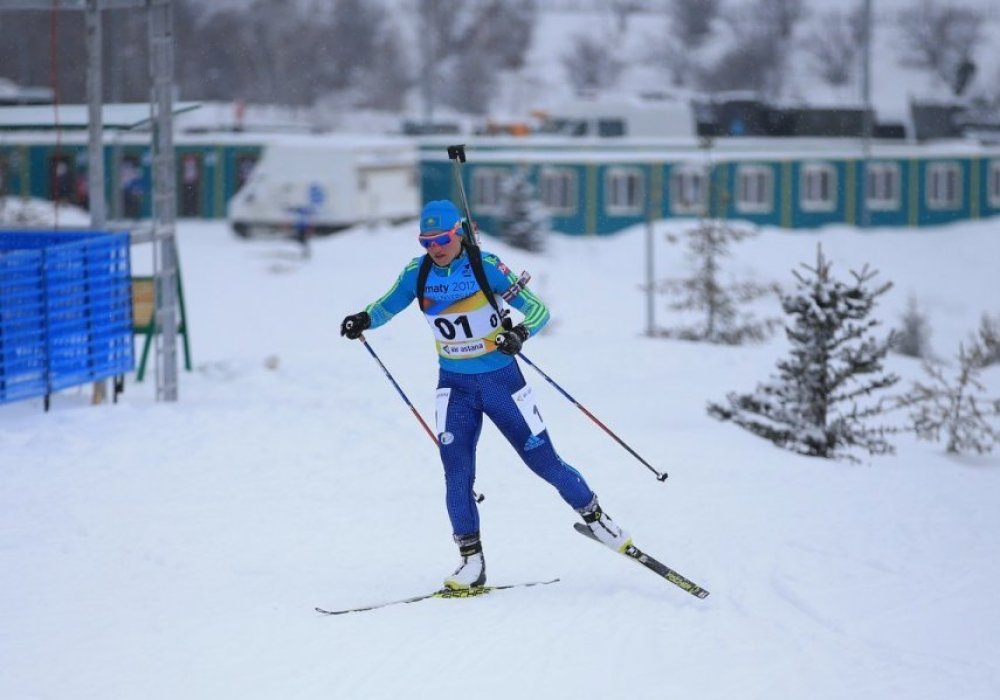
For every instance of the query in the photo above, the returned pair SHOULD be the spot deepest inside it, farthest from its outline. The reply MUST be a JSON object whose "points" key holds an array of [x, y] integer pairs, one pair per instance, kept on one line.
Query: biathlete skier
{"points": [[478, 375]]}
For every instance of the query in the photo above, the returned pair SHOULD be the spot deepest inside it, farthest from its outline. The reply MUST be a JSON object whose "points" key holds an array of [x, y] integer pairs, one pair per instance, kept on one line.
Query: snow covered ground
{"points": [[177, 550]]}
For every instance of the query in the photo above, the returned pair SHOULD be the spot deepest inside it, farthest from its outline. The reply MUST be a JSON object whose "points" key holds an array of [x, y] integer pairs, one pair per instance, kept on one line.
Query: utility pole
{"points": [[95, 151], [866, 129], [161, 73]]}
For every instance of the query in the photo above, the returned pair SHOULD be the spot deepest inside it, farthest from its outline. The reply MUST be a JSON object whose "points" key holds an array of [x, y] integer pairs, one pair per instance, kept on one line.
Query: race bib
{"points": [[468, 325], [524, 399], [441, 416], [464, 332]]}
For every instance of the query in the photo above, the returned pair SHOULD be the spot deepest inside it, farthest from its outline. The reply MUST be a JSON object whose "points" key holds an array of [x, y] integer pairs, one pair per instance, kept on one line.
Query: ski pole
{"points": [[388, 374], [479, 497], [456, 154], [660, 476]]}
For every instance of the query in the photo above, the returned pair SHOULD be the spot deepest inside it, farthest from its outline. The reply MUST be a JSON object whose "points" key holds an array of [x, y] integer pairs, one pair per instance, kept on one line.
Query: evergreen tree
{"points": [[956, 408], [706, 293], [912, 339], [988, 340], [523, 220], [811, 406]]}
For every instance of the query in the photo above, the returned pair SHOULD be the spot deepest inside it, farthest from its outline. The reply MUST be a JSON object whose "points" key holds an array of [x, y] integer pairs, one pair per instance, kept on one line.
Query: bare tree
{"points": [[27, 51], [390, 74], [679, 61], [269, 55], [468, 85], [623, 10], [781, 16], [352, 30], [688, 24], [691, 20], [591, 64], [755, 60], [835, 45], [463, 45], [273, 45], [941, 39]]}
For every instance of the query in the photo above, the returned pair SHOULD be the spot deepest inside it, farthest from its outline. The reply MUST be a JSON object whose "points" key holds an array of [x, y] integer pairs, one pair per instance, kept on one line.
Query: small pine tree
{"points": [[523, 220], [987, 338], [955, 408], [912, 339], [835, 362], [705, 293]]}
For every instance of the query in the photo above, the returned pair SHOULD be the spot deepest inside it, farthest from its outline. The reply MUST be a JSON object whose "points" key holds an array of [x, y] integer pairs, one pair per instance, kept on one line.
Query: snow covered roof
{"points": [[642, 150], [114, 116]]}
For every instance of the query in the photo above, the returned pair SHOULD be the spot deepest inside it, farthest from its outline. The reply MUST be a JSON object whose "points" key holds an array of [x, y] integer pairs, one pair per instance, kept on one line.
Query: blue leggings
{"points": [[505, 397]]}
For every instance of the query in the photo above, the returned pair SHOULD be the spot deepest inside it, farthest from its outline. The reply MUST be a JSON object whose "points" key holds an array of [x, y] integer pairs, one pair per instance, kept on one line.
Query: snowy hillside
{"points": [[893, 85], [542, 82], [162, 551]]}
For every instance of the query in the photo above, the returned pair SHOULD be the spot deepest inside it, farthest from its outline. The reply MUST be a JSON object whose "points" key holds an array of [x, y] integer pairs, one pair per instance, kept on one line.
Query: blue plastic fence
{"points": [[65, 310]]}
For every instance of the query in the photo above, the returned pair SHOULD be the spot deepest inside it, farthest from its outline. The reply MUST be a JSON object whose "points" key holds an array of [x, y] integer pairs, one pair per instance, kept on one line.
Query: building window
{"points": [[818, 187], [610, 127], [883, 186], [688, 190], [754, 189], [558, 190], [993, 191], [486, 188], [944, 186], [245, 163], [623, 191]]}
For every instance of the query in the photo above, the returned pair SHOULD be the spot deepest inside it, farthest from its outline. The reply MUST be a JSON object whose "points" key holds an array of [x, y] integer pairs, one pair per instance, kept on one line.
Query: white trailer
{"points": [[325, 183]]}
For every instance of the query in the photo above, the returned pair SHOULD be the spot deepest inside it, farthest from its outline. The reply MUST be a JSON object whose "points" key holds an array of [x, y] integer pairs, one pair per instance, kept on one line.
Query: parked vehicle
{"points": [[609, 116], [326, 183]]}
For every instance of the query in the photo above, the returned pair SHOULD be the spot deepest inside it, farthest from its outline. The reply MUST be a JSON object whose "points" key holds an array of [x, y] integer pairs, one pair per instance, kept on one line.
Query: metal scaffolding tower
{"points": [[161, 72], [161, 75]]}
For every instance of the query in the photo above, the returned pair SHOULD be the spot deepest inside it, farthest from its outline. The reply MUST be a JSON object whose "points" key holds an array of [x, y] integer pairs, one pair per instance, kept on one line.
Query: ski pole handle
{"points": [[456, 154]]}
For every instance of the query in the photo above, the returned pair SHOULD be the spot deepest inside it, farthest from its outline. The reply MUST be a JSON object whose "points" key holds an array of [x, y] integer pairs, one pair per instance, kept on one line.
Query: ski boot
{"points": [[471, 571], [604, 529]]}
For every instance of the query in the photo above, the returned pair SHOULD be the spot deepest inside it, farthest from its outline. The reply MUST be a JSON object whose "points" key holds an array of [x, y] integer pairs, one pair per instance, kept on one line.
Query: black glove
{"points": [[510, 342], [355, 324]]}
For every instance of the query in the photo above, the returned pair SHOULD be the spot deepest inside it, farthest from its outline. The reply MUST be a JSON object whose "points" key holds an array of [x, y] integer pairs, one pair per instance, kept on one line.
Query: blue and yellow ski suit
{"points": [[475, 379]]}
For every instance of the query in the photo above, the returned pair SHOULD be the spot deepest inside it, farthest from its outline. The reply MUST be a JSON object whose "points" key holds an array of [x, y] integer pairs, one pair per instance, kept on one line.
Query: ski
{"points": [[442, 593], [637, 555]]}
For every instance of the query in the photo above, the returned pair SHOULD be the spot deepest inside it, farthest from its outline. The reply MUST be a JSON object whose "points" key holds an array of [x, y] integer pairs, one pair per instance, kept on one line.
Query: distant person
{"points": [[303, 229], [190, 186], [132, 190], [82, 195], [63, 185], [477, 376]]}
